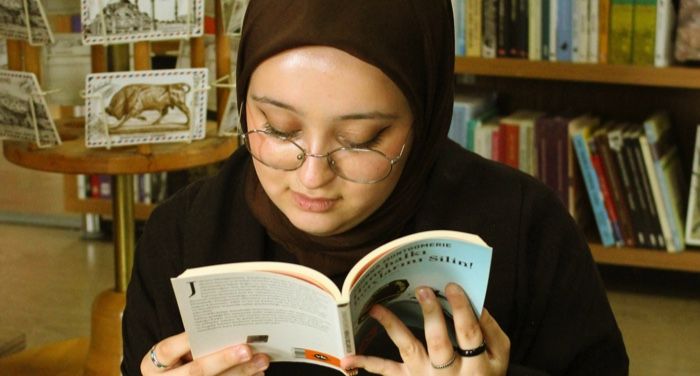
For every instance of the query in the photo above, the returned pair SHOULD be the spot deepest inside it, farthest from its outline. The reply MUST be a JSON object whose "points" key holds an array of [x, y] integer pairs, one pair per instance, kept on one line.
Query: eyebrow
{"points": [[371, 115]]}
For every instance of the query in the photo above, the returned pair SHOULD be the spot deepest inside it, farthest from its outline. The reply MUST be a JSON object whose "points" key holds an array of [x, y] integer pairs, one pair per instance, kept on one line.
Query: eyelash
{"points": [[376, 140]]}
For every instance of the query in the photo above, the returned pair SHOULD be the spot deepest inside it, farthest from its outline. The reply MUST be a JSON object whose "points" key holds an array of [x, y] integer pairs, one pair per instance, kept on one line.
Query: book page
{"points": [[288, 318], [432, 261]]}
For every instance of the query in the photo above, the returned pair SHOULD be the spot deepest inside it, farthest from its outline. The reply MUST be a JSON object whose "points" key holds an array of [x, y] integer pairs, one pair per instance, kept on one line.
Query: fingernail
{"points": [[243, 353], [260, 362], [424, 294]]}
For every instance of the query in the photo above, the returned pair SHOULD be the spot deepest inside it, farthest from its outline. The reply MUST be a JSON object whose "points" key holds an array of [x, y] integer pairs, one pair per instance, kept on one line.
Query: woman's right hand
{"points": [[174, 356]]}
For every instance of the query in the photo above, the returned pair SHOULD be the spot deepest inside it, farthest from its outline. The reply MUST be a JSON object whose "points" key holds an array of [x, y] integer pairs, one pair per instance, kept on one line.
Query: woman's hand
{"points": [[172, 356], [440, 358]]}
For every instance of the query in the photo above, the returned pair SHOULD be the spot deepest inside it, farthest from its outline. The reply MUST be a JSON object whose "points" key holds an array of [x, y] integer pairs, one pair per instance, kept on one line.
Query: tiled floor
{"points": [[48, 278]]}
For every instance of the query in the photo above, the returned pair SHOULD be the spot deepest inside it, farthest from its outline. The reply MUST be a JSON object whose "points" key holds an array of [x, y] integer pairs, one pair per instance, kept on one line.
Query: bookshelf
{"points": [[611, 91]]}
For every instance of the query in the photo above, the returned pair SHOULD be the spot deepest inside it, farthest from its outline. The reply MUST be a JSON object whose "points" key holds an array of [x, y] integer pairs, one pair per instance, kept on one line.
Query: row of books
{"points": [[627, 176], [148, 188], [581, 31]]}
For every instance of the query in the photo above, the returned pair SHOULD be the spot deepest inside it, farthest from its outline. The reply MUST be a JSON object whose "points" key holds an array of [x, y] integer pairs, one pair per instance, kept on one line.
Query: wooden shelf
{"points": [[100, 206], [676, 77], [687, 261]]}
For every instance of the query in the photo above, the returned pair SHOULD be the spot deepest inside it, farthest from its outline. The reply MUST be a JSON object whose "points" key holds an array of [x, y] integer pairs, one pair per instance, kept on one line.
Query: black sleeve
{"points": [[570, 328], [151, 312]]}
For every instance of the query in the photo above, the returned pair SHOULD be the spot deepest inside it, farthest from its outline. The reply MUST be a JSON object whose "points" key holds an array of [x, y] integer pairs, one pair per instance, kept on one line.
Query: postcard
{"points": [[15, 23], [65, 64], [145, 107], [24, 114], [237, 10], [122, 21]]}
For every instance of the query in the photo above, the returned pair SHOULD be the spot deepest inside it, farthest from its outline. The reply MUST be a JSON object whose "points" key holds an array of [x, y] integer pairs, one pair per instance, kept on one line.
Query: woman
{"points": [[318, 77]]}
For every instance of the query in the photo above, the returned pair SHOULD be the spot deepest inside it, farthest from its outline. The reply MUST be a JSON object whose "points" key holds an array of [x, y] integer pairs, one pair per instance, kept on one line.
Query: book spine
{"points": [[691, 223], [603, 30], [535, 29], [648, 223], [521, 31], [553, 22], [544, 26], [490, 27], [644, 32], [346, 332], [593, 31], [474, 27], [616, 145], [81, 186], [621, 28], [564, 30], [503, 28], [458, 13], [510, 144], [619, 196], [665, 17], [661, 209], [579, 25], [666, 163], [94, 186], [496, 147], [605, 190], [592, 186]]}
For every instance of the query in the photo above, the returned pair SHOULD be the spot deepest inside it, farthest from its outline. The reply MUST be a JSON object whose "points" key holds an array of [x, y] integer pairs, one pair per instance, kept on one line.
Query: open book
{"points": [[294, 313]]}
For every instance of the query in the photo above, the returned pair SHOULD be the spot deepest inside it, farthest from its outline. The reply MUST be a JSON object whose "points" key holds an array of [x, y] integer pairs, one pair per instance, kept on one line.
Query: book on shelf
{"points": [[564, 30], [621, 31], [623, 191], [474, 27], [535, 31], [579, 25], [594, 31], [644, 26], [603, 30], [490, 28], [666, 178], [466, 108], [632, 146], [580, 132], [605, 188], [692, 222], [294, 313], [665, 26]]}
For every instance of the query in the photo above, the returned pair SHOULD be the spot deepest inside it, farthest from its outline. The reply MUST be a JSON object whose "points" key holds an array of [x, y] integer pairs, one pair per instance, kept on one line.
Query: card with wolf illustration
{"points": [[145, 107], [24, 114], [25, 20], [121, 21]]}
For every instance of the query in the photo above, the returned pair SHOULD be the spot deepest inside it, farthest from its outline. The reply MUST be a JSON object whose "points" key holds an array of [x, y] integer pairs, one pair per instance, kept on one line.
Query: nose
{"points": [[315, 172]]}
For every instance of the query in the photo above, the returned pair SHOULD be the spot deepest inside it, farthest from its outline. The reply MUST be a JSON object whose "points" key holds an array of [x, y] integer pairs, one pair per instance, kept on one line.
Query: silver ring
{"points": [[447, 363], [155, 361]]}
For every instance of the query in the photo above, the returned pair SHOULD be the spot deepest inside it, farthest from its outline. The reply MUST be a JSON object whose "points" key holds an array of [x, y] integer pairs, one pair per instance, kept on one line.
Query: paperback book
{"points": [[294, 313]]}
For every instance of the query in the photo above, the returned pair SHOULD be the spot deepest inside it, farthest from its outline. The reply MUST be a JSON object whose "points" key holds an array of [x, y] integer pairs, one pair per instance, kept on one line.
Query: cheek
{"points": [[273, 181]]}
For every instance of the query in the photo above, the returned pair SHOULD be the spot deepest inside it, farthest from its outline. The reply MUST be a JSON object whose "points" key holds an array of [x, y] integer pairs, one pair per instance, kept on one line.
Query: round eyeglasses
{"points": [[357, 165]]}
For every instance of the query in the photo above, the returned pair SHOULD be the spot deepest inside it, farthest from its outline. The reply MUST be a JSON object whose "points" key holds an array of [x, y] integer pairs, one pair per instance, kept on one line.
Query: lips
{"points": [[312, 204]]}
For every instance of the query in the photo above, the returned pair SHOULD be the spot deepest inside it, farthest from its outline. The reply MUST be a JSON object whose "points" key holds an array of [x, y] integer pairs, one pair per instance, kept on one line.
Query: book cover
{"points": [[644, 32], [294, 313], [581, 129], [663, 156], [621, 30]]}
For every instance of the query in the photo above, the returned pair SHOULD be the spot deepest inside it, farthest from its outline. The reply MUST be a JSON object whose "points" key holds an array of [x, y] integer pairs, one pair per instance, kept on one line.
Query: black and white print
{"points": [[24, 20], [128, 108], [24, 114], [121, 21]]}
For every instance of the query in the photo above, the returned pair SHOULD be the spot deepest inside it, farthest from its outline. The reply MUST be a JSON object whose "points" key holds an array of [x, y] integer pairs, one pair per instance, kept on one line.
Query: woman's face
{"points": [[324, 99]]}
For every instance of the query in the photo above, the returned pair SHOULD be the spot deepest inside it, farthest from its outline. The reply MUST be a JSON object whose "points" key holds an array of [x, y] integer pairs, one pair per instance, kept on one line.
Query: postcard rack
{"points": [[72, 157]]}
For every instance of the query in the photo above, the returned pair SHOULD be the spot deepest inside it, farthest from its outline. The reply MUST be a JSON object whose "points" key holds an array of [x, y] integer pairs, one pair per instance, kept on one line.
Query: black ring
{"points": [[471, 352]]}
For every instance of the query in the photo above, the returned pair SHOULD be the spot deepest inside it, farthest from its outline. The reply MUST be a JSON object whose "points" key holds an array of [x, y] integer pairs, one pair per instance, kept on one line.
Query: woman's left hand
{"points": [[440, 358]]}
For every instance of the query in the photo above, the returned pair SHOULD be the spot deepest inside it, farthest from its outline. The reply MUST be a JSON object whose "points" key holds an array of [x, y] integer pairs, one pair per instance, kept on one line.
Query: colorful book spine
{"points": [[458, 13], [655, 225], [644, 32], [474, 27], [510, 144], [664, 158], [564, 30], [629, 198], [603, 30], [606, 191], [621, 29], [590, 178]]}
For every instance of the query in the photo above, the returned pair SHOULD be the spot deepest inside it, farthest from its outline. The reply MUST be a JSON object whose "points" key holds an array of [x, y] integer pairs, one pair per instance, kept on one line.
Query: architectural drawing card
{"points": [[121, 21], [24, 20], [24, 115], [145, 107]]}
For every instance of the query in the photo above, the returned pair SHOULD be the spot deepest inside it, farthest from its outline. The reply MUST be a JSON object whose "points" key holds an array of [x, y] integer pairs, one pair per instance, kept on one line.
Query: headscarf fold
{"points": [[412, 42]]}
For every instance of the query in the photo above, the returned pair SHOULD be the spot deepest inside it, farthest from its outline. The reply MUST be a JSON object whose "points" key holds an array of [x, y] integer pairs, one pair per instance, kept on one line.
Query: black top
{"points": [[544, 289]]}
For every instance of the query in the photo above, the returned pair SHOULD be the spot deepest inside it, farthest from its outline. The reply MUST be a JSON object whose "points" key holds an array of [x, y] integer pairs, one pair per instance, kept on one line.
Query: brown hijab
{"points": [[412, 42]]}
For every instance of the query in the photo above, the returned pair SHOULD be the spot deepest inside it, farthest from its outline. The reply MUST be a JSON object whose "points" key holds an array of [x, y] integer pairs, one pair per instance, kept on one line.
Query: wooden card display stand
{"points": [[72, 157]]}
